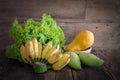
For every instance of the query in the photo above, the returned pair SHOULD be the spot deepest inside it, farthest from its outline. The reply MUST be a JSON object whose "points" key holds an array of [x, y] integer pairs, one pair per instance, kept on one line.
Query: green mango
{"points": [[90, 59], [74, 61]]}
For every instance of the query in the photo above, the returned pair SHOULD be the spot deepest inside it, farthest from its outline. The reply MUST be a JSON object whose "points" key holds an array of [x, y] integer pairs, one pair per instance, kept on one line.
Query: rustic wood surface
{"points": [[14, 70], [102, 17]]}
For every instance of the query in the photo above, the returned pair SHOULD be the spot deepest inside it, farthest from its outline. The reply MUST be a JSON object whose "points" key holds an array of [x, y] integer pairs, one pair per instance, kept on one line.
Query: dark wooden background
{"points": [[100, 16]]}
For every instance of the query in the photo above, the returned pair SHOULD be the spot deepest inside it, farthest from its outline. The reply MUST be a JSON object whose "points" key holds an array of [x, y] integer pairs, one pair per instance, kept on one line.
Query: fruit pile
{"points": [[43, 57], [41, 44], [87, 59], [50, 56], [78, 50]]}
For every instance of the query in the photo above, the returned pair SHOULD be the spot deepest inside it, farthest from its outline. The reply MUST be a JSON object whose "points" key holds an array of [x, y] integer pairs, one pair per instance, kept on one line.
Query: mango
{"points": [[90, 59], [74, 61], [83, 40]]}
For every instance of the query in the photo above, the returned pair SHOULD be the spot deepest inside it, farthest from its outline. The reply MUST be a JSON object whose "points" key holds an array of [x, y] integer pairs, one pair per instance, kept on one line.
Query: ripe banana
{"points": [[23, 54], [46, 49], [30, 49], [33, 52], [35, 47], [63, 61], [55, 57], [53, 50]]}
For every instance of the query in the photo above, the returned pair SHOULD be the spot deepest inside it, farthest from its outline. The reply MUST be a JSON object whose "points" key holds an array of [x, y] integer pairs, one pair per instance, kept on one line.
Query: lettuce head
{"points": [[44, 30]]}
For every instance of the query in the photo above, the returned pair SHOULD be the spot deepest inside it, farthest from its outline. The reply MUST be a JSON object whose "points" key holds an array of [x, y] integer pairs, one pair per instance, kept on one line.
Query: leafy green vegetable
{"points": [[12, 52], [44, 30]]}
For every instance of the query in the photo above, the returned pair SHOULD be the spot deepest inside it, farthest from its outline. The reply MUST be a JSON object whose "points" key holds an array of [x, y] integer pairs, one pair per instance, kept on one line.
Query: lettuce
{"points": [[44, 30]]}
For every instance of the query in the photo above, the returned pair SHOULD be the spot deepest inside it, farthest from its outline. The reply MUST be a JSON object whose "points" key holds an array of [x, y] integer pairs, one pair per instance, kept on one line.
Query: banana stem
{"points": [[39, 67]]}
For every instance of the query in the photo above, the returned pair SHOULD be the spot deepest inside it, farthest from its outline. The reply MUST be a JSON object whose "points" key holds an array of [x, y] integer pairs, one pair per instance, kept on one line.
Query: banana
{"points": [[29, 49], [55, 57], [34, 52], [39, 50], [63, 61], [23, 54], [46, 49], [35, 47], [53, 50]]}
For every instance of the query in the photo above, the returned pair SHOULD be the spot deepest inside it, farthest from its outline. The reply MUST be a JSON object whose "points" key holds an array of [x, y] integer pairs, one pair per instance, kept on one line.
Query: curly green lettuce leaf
{"points": [[13, 52]]}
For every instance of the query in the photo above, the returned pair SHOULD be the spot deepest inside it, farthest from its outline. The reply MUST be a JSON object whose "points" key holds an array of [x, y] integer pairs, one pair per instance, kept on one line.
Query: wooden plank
{"points": [[14, 70], [20, 71], [90, 74], [64, 74], [62, 9], [102, 10], [108, 71], [50, 75], [111, 66], [107, 35]]}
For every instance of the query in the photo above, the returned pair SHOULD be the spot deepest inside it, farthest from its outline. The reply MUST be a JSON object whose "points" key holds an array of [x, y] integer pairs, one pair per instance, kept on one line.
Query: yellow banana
{"points": [[46, 49], [55, 57], [53, 50], [23, 54], [51, 53], [39, 50], [63, 61], [29, 49], [35, 47]]}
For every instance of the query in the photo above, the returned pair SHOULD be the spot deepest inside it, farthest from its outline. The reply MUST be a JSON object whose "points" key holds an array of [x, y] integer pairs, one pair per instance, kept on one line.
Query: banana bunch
{"points": [[42, 56]]}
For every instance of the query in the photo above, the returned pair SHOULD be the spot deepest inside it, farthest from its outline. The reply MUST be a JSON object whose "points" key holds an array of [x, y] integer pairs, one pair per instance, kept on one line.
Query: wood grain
{"points": [[62, 9], [90, 74], [100, 16], [50, 75], [20, 71], [110, 40], [64, 74]]}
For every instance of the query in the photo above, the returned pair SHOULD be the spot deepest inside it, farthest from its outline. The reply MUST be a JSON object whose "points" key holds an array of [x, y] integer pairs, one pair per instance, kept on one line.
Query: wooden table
{"points": [[14, 70], [100, 16]]}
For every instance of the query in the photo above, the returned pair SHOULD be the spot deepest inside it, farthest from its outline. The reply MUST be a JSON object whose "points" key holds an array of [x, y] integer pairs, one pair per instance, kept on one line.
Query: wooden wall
{"points": [[100, 16]]}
